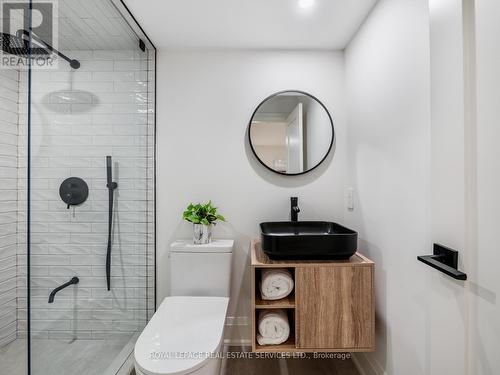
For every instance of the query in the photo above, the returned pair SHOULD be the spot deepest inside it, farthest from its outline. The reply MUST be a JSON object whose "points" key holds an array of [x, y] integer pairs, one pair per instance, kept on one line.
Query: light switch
{"points": [[349, 198]]}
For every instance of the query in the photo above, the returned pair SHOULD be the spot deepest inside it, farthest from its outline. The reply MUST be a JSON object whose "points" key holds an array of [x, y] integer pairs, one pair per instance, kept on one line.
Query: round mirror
{"points": [[291, 132]]}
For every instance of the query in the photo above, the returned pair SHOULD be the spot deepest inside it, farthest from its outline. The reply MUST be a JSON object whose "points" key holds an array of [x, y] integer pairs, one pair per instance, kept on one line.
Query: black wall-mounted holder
{"points": [[73, 191], [112, 186], [445, 260]]}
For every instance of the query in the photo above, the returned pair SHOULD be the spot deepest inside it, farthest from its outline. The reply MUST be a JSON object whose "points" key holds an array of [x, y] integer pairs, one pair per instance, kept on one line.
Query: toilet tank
{"points": [[201, 270]]}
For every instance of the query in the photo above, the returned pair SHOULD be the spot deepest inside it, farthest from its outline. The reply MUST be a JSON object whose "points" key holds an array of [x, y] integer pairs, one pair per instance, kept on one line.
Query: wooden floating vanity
{"points": [[332, 307]]}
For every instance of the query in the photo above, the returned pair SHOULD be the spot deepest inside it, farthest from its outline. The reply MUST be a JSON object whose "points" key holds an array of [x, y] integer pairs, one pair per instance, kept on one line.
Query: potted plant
{"points": [[203, 217]]}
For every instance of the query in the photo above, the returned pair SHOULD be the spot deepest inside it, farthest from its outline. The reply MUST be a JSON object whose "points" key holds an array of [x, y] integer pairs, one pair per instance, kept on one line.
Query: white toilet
{"points": [[185, 334]]}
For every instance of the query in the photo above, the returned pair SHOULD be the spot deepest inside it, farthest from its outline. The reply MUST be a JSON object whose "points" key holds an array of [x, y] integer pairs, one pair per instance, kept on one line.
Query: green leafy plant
{"points": [[205, 214]]}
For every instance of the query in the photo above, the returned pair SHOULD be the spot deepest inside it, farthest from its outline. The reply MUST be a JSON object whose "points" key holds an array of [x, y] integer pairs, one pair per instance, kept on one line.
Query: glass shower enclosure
{"points": [[77, 186]]}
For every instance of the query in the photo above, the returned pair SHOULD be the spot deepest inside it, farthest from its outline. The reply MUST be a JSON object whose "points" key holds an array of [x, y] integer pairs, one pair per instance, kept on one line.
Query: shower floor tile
{"points": [[54, 357]]}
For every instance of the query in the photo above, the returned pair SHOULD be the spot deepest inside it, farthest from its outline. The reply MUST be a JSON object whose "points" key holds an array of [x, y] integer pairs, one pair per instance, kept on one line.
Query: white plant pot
{"points": [[202, 234]]}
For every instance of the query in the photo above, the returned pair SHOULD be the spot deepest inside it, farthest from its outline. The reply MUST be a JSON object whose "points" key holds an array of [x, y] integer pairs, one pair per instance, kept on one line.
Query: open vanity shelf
{"points": [[284, 303], [331, 308]]}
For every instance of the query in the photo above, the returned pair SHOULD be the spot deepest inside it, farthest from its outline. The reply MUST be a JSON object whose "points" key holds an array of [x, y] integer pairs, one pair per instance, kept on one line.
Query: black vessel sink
{"points": [[308, 240]]}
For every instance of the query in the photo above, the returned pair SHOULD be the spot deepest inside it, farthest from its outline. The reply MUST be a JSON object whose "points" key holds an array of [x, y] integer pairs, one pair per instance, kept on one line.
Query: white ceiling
{"points": [[249, 24]]}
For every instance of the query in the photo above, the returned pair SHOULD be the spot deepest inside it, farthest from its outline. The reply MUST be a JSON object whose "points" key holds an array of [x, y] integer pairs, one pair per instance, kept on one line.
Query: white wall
{"points": [[447, 304], [205, 103], [484, 170], [9, 98], [387, 79]]}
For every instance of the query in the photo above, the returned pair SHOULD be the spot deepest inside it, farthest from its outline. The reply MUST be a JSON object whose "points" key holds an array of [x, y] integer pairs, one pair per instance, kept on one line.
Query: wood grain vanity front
{"points": [[334, 308], [332, 304]]}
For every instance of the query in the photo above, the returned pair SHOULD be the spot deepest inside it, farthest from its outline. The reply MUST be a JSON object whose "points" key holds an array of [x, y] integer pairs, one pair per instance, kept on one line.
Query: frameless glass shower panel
{"points": [[91, 253]]}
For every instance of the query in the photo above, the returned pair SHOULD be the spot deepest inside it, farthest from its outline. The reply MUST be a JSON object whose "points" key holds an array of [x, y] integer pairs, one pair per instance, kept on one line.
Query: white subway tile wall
{"points": [[9, 103], [78, 118]]}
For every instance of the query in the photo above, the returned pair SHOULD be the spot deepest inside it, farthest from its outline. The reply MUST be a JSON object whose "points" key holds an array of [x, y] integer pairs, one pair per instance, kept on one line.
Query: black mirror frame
{"points": [[272, 96]]}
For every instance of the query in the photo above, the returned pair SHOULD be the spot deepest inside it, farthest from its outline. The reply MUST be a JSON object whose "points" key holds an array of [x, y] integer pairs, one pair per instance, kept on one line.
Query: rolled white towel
{"points": [[274, 328], [275, 283]]}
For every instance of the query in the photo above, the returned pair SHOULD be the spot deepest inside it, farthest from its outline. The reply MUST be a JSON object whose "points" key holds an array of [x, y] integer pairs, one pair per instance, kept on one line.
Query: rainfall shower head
{"points": [[19, 46], [14, 45]]}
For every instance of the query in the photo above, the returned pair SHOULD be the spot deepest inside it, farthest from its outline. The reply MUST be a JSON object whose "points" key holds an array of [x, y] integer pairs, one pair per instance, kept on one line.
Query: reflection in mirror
{"points": [[291, 132]]}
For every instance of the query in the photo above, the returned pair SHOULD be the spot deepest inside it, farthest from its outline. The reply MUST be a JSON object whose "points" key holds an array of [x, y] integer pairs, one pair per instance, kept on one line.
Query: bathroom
{"points": [[153, 105]]}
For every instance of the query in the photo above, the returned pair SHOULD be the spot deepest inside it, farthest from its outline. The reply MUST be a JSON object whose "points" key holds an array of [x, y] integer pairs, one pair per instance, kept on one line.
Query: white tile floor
{"points": [[57, 357]]}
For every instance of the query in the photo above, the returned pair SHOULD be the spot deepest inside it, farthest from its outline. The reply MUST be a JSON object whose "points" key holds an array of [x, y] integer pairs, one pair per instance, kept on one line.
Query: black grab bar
{"points": [[74, 280], [111, 188], [445, 260]]}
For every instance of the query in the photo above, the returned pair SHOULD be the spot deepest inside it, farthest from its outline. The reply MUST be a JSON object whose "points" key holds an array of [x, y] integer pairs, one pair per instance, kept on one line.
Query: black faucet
{"points": [[74, 280], [294, 209]]}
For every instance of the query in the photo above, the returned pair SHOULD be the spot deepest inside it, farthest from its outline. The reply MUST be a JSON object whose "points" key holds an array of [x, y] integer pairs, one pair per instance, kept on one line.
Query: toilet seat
{"points": [[182, 335]]}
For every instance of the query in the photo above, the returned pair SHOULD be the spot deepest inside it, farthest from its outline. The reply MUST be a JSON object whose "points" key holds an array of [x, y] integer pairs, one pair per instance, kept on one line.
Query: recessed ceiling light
{"points": [[306, 3]]}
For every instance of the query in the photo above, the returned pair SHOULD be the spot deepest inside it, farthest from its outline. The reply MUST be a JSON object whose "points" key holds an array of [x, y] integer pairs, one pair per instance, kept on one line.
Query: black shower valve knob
{"points": [[73, 191]]}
